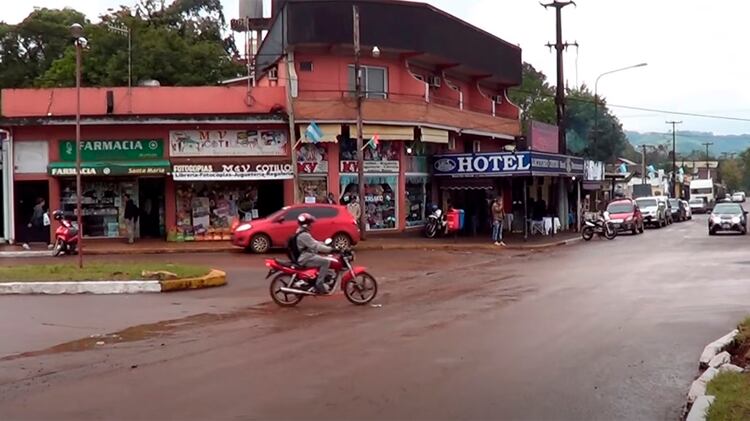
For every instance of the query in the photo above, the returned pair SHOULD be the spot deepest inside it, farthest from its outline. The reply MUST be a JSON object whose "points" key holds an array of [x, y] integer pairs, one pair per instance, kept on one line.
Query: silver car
{"points": [[654, 211]]}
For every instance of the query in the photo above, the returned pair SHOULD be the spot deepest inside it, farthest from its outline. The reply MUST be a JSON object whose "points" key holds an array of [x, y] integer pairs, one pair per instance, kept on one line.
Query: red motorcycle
{"points": [[292, 282], [66, 236]]}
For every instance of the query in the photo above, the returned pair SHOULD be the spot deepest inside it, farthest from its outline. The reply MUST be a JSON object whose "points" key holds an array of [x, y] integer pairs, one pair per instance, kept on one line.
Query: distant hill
{"points": [[688, 141]]}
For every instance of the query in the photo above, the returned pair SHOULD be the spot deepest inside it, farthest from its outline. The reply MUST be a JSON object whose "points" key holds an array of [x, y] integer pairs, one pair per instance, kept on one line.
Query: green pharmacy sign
{"points": [[113, 150]]}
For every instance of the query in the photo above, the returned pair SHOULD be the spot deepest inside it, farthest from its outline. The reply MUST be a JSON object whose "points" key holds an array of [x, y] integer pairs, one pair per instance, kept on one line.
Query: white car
{"points": [[738, 197]]}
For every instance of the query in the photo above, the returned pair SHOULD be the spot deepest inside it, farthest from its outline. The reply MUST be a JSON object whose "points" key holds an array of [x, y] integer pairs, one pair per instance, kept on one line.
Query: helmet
{"points": [[57, 215], [305, 219]]}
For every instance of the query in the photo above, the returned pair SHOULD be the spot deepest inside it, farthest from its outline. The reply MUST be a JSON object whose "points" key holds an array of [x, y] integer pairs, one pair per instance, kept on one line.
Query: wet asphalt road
{"points": [[602, 330]]}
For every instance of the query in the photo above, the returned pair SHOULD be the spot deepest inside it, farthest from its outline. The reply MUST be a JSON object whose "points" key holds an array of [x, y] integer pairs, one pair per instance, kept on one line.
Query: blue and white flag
{"points": [[313, 133], [623, 168], [650, 169]]}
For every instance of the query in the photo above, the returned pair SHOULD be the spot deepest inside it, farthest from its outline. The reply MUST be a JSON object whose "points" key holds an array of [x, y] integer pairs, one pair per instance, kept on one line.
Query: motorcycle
{"points": [[436, 224], [601, 226], [292, 282], [66, 236]]}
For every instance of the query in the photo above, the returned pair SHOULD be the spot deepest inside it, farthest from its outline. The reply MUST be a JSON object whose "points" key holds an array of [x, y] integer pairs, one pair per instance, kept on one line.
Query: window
{"points": [[374, 81], [293, 214], [306, 66], [323, 212]]}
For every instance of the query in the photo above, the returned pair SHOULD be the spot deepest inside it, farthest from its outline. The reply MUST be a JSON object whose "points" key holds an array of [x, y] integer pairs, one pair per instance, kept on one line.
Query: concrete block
{"points": [[720, 359], [730, 368], [699, 409], [715, 347], [698, 388], [104, 287]]}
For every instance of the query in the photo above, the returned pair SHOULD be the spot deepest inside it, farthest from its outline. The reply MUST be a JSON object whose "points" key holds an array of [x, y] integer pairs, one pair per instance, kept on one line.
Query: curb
{"points": [[363, 246], [713, 360], [25, 253], [214, 278]]}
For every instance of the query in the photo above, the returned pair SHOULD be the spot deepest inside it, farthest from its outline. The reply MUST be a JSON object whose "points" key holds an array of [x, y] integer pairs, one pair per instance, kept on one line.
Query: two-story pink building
{"points": [[194, 158]]}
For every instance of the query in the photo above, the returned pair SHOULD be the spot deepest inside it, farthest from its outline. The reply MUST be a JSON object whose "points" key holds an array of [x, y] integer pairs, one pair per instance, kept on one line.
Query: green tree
{"points": [[29, 48], [732, 174], [179, 44], [535, 97]]}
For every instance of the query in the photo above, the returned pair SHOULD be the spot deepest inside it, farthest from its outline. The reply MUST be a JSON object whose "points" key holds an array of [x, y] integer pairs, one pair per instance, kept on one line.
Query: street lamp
{"points": [[76, 31], [596, 96]]}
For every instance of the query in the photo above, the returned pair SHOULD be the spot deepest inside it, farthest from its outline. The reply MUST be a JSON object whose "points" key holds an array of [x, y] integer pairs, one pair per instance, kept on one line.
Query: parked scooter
{"points": [[601, 226], [66, 236], [437, 224]]}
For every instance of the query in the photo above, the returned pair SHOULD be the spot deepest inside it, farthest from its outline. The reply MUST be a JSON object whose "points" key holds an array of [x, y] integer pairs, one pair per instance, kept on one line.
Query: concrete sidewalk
{"points": [[408, 241]]}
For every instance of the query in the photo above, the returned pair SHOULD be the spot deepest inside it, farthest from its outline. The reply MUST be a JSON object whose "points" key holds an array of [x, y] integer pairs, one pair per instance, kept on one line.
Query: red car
{"points": [[334, 222], [626, 216]]}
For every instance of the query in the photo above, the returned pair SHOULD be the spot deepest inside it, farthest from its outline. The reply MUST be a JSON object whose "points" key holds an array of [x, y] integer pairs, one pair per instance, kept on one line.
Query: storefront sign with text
{"points": [[218, 172], [499, 164], [227, 142], [113, 150], [370, 166], [320, 167]]}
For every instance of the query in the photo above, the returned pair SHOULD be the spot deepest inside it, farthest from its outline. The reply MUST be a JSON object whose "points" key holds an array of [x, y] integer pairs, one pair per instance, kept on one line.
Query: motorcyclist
{"points": [[310, 249]]}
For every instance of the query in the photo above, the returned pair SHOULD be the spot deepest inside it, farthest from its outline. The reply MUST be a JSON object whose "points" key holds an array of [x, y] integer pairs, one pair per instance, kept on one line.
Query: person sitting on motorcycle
{"points": [[310, 249]]}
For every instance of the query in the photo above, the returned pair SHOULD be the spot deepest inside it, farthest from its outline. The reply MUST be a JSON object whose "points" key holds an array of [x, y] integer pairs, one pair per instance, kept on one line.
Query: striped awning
{"points": [[431, 135], [384, 132]]}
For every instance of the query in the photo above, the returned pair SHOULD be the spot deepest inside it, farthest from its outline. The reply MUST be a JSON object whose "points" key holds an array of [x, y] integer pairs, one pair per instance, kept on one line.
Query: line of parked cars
{"points": [[633, 216]]}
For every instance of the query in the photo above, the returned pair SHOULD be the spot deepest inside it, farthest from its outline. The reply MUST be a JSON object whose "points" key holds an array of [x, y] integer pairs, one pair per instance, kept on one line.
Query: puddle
{"points": [[146, 331]]}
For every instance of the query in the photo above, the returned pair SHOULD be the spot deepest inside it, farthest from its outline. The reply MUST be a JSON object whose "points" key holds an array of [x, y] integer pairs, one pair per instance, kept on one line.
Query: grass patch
{"points": [[94, 271], [744, 328], [732, 391]]}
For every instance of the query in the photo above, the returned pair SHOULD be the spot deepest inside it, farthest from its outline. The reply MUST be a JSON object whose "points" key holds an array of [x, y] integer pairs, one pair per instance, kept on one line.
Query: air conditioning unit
{"points": [[434, 81], [273, 73], [497, 99]]}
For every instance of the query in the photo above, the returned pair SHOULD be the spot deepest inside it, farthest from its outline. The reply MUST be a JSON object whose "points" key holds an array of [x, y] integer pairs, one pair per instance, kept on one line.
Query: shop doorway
{"points": [[27, 195], [151, 205], [476, 205], [270, 197]]}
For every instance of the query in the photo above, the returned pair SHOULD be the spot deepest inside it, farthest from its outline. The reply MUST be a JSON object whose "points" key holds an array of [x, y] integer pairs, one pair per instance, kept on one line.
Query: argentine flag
{"points": [[313, 133]]}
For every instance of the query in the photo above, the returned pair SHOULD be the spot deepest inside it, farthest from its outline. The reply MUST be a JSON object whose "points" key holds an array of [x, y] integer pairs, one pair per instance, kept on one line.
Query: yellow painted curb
{"points": [[215, 278]]}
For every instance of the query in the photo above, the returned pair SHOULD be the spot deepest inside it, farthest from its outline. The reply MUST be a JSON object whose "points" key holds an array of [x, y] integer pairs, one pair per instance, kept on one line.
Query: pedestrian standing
{"points": [[38, 224], [131, 217], [498, 216]]}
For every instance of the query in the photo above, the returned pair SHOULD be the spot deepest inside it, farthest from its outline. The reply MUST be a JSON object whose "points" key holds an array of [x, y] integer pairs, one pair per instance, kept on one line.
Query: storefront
{"points": [[312, 168], [111, 169], [381, 168], [418, 188], [225, 175], [546, 180]]}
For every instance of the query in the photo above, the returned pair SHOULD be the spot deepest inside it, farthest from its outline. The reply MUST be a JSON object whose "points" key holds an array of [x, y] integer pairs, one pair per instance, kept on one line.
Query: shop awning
{"points": [[113, 168], [435, 135], [330, 132], [384, 132]]}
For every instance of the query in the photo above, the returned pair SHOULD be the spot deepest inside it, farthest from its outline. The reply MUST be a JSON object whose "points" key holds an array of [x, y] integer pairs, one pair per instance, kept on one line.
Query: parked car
{"points": [[698, 205], [677, 209], [668, 206], [654, 211], [738, 197], [626, 216], [333, 221], [688, 210], [727, 217]]}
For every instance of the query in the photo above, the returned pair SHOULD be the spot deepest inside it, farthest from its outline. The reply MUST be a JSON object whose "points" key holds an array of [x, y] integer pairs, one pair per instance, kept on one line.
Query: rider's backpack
{"points": [[292, 248]]}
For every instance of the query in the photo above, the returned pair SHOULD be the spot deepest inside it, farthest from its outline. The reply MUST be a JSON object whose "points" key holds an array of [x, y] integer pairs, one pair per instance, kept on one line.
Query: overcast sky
{"points": [[694, 50]]}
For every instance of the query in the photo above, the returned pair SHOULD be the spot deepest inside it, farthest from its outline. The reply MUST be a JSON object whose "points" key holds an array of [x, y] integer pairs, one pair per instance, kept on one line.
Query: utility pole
{"points": [[643, 164], [360, 140], [674, 156], [708, 167], [560, 47]]}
